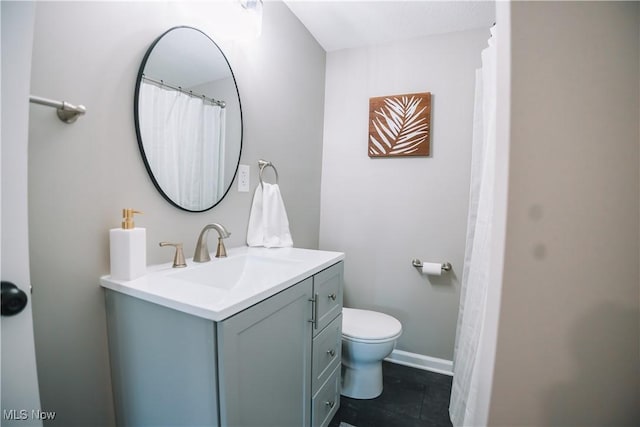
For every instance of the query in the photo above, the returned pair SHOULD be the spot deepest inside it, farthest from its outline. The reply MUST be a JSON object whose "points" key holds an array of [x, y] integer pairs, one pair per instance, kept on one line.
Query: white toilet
{"points": [[367, 338]]}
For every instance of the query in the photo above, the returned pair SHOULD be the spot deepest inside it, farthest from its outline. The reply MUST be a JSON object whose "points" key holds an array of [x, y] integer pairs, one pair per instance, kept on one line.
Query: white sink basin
{"points": [[223, 287], [243, 270]]}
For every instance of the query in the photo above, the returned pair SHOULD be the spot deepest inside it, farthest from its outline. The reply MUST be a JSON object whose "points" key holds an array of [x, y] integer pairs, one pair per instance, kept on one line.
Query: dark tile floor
{"points": [[410, 398]]}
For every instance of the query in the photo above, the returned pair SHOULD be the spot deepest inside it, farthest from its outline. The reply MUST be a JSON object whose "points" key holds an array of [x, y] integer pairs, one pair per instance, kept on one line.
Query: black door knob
{"points": [[13, 299]]}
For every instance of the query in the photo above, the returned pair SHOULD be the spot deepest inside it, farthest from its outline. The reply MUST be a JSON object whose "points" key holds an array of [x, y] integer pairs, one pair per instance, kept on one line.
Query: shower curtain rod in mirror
{"points": [[162, 83]]}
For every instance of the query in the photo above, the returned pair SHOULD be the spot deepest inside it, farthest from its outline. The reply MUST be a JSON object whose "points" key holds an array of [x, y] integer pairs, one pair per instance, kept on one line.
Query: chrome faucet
{"points": [[202, 250]]}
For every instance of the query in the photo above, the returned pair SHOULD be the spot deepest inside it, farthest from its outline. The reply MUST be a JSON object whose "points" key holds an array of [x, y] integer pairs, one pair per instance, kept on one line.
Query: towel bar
{"points": [[262, 164], [67, 112]]}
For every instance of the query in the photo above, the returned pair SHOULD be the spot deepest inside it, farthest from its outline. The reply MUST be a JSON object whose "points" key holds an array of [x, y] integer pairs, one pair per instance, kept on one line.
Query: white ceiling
{"points": [[355, 23]]}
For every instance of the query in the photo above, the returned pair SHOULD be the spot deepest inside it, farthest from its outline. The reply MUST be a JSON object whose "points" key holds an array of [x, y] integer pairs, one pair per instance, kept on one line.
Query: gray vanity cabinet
{"points": [[276, 363]]}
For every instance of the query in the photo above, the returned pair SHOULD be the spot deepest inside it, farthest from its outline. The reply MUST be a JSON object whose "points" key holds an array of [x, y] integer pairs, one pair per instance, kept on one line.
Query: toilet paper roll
{"points": [[432, 268]]}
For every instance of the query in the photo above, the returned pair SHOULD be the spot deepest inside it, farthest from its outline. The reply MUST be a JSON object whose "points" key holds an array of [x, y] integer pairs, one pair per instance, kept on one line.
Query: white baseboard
{"points": [[420, 361]]}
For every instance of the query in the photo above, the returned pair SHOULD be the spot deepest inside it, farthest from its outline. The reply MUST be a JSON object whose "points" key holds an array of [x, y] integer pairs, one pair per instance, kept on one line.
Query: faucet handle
{"points": [[221, 251], [178, 259]]}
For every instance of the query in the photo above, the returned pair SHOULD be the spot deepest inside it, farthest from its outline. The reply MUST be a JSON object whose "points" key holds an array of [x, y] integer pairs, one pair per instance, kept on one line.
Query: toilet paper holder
{"points": [[446, 266]]}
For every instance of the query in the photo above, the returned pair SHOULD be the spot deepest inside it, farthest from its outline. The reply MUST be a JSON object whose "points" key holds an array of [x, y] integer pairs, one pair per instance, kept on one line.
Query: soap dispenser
{"points": [[128, 248]]}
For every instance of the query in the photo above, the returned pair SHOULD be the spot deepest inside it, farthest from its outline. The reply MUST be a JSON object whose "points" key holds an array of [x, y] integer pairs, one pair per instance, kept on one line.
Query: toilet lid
{"points": [[369, 325]]}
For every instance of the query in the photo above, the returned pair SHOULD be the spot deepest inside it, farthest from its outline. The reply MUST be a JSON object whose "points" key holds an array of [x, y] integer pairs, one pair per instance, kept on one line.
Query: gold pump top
{"points": [[127, 218]]}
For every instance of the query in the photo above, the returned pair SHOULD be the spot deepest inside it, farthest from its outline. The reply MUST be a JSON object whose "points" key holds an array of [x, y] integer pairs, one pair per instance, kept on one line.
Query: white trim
{"points": [[427, 363]]}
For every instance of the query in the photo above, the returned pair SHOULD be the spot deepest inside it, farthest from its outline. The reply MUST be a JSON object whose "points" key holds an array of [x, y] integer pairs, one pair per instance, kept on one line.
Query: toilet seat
{"points": [[369, 326]]}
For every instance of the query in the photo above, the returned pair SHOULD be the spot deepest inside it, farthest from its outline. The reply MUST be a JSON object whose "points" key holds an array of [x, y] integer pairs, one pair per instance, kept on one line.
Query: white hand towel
{"points": [[255, 231], [268, 222]]}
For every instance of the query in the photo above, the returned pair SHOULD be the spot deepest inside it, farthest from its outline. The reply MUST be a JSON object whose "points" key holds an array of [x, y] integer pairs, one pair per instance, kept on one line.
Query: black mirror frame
{"points": [[137, 120]]}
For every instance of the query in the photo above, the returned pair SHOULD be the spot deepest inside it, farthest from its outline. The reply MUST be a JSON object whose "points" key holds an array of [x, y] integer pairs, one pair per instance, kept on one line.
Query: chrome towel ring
{"points": [[262, 164]]}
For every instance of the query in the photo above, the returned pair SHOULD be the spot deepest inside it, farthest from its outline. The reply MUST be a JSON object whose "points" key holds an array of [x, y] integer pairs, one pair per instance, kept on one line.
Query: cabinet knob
{"points": [[331, 352], [329, 404], [332, 297]]}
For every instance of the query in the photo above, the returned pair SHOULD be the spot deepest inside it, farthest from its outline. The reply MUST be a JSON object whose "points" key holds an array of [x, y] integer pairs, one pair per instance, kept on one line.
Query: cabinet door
{"points": [[265, 362]]}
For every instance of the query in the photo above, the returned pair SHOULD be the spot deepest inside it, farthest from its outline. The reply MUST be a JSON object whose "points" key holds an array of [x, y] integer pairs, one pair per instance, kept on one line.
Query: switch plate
{"points": [[243, 178]]}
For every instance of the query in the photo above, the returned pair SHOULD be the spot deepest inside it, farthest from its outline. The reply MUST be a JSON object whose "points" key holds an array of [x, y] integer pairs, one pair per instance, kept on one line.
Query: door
{"points": [[20, 397], [264, 362]]}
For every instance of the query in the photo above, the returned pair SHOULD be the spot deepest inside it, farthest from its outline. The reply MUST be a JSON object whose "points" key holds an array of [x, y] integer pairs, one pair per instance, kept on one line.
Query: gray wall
{"points": [[384, 212], [568, 337], [82, 175]]}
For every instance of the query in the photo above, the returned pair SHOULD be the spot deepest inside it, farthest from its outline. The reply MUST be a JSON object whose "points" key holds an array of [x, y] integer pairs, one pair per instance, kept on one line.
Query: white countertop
{"points": [[173, 288]]}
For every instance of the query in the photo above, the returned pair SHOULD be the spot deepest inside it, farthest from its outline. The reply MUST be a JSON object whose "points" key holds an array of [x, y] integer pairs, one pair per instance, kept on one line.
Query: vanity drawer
{"points": [[327, 353], [327, 291], [327, 401]]}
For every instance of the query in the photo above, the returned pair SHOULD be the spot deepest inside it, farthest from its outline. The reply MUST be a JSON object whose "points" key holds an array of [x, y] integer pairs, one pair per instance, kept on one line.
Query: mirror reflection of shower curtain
{"points": [[184, 145], [475, 275]]}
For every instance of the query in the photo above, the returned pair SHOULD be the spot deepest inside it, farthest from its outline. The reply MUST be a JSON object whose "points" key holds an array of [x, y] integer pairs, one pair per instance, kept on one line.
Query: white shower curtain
{"points": [[475, 275], [183, 141]]}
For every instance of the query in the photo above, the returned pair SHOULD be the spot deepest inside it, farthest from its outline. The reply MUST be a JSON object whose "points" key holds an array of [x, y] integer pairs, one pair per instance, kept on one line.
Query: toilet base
{"points": [[363, 381]]}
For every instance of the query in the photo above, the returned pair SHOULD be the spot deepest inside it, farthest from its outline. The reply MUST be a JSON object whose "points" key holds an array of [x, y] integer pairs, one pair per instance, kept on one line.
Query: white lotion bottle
{"points": [[128, 249]]}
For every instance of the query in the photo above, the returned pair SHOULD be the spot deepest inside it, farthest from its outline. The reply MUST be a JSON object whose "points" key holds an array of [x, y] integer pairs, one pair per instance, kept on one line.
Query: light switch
{"points": [[243, 178]]}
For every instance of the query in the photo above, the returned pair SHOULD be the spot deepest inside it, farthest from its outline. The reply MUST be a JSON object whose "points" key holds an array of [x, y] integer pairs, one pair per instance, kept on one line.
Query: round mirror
{"points": [[188, 119]]}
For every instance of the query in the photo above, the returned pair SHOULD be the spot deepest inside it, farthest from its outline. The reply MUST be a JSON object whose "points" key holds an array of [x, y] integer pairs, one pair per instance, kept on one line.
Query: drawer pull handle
{"points": [[314, 315], [331, 352], [330, 405], [332, 297]]}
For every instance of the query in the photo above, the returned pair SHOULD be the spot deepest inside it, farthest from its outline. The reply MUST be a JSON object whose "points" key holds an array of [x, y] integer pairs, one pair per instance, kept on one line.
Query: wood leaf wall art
{"points": [[400, 125]]}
